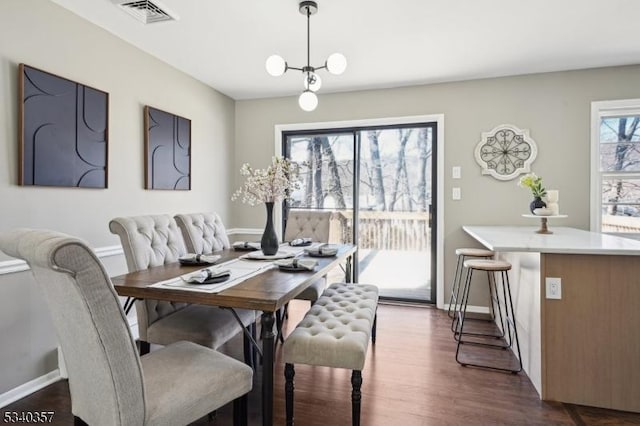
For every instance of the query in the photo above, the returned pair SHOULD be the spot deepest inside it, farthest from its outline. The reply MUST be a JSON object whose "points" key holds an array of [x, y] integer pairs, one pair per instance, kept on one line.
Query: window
{"points": [[615, 167]]}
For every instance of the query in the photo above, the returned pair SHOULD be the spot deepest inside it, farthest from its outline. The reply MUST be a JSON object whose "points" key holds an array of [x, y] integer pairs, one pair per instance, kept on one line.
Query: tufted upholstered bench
{"points": [[335, 333]]}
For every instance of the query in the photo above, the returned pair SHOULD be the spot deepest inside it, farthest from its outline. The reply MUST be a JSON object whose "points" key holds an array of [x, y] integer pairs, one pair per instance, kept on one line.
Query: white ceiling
{"points": [[388, 43]]}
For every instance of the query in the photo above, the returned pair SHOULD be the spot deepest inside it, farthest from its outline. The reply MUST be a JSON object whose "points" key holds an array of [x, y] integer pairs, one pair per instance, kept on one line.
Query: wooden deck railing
{"points": [[620, 224], [384, 230]]}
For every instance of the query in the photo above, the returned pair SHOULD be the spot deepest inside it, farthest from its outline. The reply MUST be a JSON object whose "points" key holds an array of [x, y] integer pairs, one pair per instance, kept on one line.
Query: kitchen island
{"points": [[583, 348]]}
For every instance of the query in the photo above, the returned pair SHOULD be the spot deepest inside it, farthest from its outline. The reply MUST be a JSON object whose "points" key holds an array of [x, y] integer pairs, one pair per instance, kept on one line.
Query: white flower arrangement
{"points": [[275, 183]]}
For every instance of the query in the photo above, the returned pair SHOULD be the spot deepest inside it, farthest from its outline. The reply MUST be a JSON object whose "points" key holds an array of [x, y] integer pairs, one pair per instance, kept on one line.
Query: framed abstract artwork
{"points": [[63, 131], [167, 153]]}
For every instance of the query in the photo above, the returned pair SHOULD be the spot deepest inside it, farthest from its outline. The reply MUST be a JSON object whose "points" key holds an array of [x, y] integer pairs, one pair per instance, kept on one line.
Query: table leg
{"points": [[347, 270], [267, 368]]}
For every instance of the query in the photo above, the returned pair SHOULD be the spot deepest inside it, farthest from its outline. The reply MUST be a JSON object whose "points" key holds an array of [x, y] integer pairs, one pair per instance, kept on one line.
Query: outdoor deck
{"points": [[394, 250]]}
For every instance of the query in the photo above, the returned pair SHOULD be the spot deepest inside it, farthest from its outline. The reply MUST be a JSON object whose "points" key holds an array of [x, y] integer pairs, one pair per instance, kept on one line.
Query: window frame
{"points": [[599, 111]]}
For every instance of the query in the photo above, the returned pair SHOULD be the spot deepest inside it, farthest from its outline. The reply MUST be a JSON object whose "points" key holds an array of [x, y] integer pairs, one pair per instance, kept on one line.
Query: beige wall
{"points": [[555, 107], [41, 34]]}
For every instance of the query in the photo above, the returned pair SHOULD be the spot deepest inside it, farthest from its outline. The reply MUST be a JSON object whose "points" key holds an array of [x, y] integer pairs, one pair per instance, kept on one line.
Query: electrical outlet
{"points": [[553, 287]]}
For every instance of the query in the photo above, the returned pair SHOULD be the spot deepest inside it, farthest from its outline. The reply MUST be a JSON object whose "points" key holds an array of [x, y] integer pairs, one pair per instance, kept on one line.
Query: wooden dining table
{"points": [[266, 292]]}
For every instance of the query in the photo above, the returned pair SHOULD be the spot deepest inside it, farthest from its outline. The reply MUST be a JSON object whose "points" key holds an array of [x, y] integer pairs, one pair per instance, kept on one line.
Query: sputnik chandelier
{"points": [[336, 63]]}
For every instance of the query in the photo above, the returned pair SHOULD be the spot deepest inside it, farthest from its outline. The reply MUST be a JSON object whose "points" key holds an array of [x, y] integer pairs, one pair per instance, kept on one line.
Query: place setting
{"points": [[323, 250], [193, 259], [207, 276], [301, 242], [296, 264], [246, 246]]}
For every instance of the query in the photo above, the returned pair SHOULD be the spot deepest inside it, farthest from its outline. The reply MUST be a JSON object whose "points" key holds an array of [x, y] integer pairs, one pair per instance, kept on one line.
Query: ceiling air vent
{"points": [[146, 11]]}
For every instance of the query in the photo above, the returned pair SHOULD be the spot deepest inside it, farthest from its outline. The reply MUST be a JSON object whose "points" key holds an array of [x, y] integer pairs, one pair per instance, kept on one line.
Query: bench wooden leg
{"points": [[374, 328], [288, 392], [356, 396]]}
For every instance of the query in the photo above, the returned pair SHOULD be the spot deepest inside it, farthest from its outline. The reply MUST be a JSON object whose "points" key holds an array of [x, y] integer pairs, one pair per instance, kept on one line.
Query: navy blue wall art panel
{"points": [[63, 131], [167, 150]]}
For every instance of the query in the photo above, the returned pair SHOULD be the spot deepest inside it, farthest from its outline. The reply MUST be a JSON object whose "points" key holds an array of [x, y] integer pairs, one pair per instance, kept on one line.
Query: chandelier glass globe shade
{"points": [[308, 100], [336, 63], [275, 65]]}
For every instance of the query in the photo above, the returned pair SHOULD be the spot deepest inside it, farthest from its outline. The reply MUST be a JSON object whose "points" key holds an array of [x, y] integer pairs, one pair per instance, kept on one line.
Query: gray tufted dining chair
{"points": [[110, 384], [312, 224], [203, 233], [156, 240]]}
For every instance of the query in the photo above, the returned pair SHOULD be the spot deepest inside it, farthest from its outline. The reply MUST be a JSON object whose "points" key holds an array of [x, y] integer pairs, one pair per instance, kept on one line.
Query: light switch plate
{"points": [[456, 194], [456, 172]]}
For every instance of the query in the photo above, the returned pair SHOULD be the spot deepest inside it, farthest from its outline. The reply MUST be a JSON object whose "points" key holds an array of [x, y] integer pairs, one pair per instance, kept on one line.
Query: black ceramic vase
{"points": [[269, 242], [537, 203]]}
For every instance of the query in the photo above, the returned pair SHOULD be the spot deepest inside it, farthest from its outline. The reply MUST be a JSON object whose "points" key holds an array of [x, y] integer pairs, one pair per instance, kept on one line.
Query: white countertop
{"points": [[563, 240]]}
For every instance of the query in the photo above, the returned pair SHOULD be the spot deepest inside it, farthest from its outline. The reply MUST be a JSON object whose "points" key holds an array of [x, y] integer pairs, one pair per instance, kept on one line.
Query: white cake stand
{"points": [[543, 221]]}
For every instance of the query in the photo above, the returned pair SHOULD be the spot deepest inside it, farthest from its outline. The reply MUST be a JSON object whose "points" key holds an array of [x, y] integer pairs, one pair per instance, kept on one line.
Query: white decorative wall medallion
{"points": [[505, 152]]}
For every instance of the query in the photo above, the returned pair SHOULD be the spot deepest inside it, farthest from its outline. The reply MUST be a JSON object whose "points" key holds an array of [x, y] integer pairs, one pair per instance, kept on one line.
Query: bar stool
{"points": [[496, 269], [462, 255]]}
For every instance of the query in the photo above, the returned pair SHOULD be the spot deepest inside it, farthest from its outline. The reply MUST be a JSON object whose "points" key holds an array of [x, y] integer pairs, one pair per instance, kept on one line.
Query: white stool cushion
{"points": [[336, 330], [487, 265], [474, 252]]}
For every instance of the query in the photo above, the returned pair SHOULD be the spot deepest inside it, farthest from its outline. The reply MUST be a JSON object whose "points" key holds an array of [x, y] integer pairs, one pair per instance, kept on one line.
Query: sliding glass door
{"points": [[379, 182]]}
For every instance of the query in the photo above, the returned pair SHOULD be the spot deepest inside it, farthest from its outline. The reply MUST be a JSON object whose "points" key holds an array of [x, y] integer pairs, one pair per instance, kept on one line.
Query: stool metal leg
{"points": [[507, 284], [455, 289], [462, 307], [510, 331], [461, 314], [495, 304], [492, 289], [460, 276]]}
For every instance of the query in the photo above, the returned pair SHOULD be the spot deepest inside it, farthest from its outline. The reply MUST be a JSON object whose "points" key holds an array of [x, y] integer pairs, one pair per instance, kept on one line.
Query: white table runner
{"points": [[241, 269]]}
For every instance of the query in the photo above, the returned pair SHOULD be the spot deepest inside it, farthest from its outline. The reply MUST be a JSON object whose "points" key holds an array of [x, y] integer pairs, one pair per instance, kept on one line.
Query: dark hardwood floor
{"points": [[410, 379]]}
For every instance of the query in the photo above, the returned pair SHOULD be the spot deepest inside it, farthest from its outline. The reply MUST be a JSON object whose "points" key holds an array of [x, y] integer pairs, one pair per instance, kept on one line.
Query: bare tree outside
{"points": [[377, 184], [425, 154]]}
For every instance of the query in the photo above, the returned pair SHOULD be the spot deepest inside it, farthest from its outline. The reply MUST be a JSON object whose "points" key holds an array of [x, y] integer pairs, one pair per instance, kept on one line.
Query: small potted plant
{"points": [[534, 183]]}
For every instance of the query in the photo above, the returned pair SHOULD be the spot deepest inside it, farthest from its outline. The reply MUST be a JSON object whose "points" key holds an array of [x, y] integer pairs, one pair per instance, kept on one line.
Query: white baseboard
{"points": [[473, 309], [29, 388]]}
